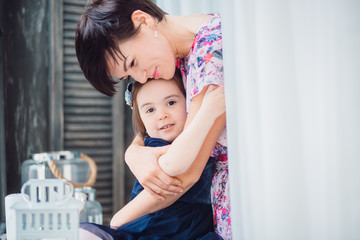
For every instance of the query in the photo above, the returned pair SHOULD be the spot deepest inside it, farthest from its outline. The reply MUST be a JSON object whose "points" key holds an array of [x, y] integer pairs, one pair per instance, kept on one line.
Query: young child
{"points": [[159, 115]]}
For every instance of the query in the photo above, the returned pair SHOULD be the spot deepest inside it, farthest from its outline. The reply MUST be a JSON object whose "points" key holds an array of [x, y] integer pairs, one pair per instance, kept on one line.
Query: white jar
{"points": [[92, 211]]}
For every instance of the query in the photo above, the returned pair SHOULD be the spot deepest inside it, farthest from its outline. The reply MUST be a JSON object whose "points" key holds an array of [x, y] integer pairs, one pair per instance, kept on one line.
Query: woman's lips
{"points": [[155, 73]]}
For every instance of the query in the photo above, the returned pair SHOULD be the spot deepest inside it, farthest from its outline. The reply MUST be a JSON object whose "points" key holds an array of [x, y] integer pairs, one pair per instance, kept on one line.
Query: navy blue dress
{"points": [[190, 217]]}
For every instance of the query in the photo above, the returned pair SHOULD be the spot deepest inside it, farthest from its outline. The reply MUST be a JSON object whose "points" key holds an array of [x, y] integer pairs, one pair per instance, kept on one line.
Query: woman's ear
{"points": [[139, 17]]}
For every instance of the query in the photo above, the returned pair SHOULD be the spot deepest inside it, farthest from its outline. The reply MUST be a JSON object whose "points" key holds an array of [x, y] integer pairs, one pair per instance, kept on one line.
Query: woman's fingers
{"points": [[161, 193], [161, 188], [146, 169], [153, 193], [167, 180]]}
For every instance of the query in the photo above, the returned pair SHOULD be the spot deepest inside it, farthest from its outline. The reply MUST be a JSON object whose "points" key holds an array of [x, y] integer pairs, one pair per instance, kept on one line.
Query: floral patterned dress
{"points": [[204, 66]]}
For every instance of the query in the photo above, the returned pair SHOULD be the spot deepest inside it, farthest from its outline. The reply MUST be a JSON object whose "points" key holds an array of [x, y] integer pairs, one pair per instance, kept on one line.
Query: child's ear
{"points": [[139, 17]]}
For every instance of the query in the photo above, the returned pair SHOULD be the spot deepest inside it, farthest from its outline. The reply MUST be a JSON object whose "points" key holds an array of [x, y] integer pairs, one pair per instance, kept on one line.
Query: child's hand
{"points": [[214, 101]]}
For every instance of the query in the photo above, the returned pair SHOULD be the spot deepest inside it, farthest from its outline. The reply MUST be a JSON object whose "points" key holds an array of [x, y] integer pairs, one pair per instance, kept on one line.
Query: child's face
{"points": [[162, 109]]}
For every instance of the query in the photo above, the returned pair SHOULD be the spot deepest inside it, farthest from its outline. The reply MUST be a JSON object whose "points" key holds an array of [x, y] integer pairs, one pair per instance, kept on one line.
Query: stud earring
{"points": [[155, 32]]}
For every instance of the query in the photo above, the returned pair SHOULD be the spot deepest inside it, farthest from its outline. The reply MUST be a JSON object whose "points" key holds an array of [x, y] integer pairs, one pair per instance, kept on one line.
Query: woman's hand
{"points": [[143, 163]]}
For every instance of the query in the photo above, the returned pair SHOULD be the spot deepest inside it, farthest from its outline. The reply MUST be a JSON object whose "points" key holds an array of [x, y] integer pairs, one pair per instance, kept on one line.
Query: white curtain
{"points": [[184, 7], [292, 78], [292, 74]]}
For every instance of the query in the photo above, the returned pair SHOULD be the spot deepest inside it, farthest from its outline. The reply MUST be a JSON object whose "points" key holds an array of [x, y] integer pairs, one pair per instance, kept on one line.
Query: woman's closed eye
{"points": [[132, 63], [128, 78]]}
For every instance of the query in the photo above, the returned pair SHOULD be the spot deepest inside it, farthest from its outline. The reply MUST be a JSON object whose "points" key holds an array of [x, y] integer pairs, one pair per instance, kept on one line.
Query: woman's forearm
{"points": [[196, 169], [186, 147], [207, 107], [190, 177]]}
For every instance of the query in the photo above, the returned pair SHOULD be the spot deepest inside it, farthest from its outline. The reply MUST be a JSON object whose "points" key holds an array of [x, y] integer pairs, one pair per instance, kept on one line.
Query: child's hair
{"points": [[138, 125], [102, 26]]}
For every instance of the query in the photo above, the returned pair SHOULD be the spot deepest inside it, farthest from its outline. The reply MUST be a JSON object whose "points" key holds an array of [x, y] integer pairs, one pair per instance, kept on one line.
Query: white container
{"points": [[92, 211], [69, 164], [49, 211], [10, 214]]}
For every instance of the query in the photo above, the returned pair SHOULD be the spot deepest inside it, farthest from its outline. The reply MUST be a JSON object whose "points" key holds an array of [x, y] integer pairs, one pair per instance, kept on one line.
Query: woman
{"points": [[122, 39]]}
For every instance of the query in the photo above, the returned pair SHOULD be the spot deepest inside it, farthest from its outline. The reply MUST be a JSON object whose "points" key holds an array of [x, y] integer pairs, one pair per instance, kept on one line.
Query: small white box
{"points": [[48, 212]]}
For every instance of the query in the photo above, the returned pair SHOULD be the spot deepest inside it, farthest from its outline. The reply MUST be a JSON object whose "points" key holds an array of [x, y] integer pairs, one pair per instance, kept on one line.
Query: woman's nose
{"points": [[140, 76]]}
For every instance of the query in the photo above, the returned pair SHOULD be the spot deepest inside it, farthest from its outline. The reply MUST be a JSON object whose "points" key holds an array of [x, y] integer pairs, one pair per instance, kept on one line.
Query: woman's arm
{"points": [[193, 174], [187, 145], [145, 202]]}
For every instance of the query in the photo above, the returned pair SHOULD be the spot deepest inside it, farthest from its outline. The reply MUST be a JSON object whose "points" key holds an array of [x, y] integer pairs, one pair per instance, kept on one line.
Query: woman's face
{"points": [[146, 56], [162, 109]]}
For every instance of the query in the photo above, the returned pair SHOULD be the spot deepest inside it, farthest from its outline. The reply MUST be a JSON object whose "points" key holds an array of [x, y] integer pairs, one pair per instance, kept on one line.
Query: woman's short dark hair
{"points": [[102, 26], [138, 125]]}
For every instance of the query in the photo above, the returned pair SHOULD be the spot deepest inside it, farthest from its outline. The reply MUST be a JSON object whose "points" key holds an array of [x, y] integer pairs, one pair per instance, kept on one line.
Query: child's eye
{"points": [[171, 103], [150, 110]]}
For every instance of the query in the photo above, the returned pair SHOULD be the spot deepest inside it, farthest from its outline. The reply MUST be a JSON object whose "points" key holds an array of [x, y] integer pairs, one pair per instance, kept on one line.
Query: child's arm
{"points": [[144, 203], [187, 145]]}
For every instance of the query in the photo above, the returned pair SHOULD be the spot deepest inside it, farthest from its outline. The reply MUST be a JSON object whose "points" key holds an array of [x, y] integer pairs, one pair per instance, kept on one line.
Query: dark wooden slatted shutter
{"points": [[87, 113]]}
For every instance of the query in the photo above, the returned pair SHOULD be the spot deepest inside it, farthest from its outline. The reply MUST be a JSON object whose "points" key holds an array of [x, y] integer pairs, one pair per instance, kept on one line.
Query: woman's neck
{"points": [[180, 31]]}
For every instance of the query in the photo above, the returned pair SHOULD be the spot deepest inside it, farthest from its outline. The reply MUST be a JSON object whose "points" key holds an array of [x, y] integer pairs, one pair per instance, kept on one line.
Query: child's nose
{"points": [[163, 115]]}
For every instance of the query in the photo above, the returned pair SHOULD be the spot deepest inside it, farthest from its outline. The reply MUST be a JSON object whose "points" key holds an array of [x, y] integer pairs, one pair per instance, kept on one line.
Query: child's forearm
{"points": [[141, 205], [187, 145], [144, 203]]}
